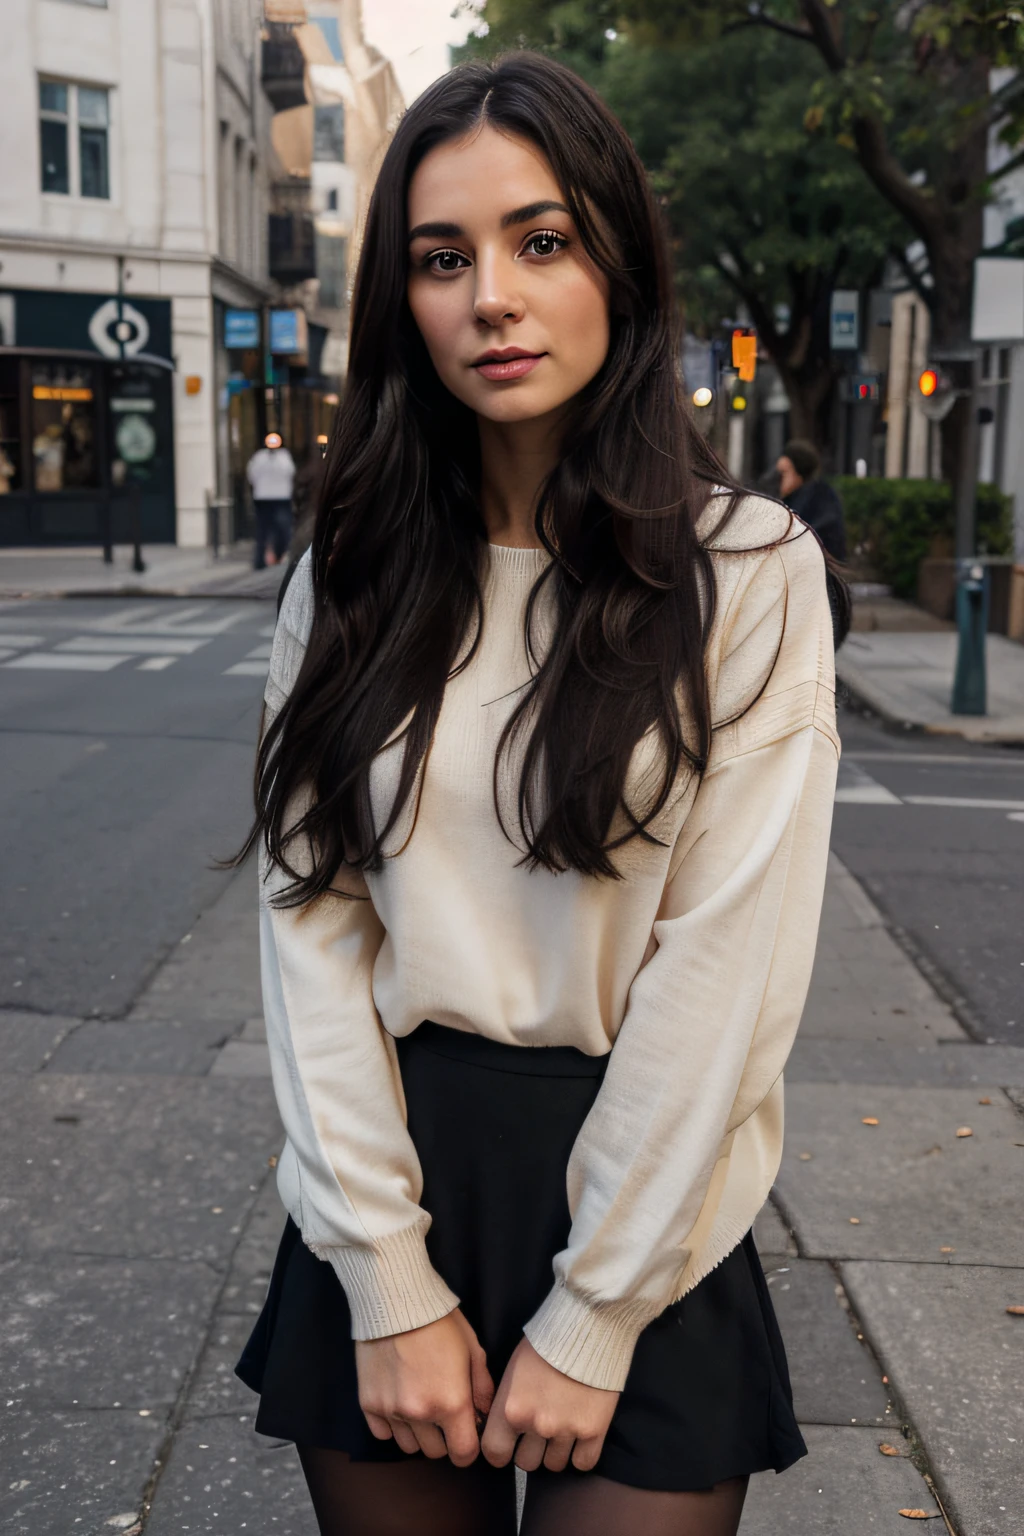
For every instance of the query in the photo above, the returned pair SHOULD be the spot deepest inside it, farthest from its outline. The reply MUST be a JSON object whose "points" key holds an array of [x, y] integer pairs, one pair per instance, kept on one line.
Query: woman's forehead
{"points": [[482, 176]]}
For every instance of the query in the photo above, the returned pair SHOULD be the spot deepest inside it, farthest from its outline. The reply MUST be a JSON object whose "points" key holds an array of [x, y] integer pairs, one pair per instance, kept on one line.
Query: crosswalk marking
{"points": [[20, 642], [61, 661], [859, 788], [156, 664], [258, 653], [151, 645], [963, 803], [246, 669]]}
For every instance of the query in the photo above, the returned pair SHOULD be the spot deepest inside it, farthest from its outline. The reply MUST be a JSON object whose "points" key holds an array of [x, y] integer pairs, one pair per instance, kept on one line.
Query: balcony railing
{"points": [[283, 68], [292, 247]]}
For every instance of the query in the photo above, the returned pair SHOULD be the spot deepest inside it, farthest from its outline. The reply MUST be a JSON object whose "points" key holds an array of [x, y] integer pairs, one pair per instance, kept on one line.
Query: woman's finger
{"points": [[481, 1380], [530, 1451], [461, 1439], [431, 1440], [556, 1457], [499, 1438], [586, 1453], [404, 1436], [379, 1427]]}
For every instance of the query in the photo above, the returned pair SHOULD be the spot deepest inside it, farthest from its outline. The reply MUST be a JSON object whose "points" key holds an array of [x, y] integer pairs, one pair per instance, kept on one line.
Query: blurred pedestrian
{"points": [[810, 497], [542, 809], [271, 474]]}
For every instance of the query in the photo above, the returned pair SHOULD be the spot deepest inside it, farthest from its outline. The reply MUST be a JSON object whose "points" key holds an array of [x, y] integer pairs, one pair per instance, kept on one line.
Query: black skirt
{"points": [[708, 1395]]}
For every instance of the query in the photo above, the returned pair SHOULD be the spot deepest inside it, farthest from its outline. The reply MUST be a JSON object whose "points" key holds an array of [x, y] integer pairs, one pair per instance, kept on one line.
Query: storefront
{"points": [[86, 420]]}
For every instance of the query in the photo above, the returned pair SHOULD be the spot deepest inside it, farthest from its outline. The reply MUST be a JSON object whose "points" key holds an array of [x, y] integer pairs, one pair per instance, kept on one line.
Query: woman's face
{"points": [[512, 310]]}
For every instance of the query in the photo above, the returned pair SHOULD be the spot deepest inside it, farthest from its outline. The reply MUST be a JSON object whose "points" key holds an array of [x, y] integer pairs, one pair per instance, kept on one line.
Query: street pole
{"points": [[969, 680]]}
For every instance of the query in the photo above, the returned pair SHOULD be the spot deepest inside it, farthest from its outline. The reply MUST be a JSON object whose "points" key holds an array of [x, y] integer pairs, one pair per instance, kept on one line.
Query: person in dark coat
{"points": [[810, 497]]}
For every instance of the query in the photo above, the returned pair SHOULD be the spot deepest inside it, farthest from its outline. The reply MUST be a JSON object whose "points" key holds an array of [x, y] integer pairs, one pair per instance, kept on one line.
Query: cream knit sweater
{"points": [[692, 970]]}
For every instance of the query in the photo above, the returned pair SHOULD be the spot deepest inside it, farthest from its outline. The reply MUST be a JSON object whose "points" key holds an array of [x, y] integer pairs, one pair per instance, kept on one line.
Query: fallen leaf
{"points": [[885, 1380], [984, 1101], [965, 1130], [889, 1450], [947, 1250], [854, 1221], [805, 1157], [271, 1162], [920, 1514], [869, 1120], [1016, 1311]]}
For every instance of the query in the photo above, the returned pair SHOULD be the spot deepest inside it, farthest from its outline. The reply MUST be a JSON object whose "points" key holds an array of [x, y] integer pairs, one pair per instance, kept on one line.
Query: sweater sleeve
{"points": [[349, 1175], [712, 1014]]}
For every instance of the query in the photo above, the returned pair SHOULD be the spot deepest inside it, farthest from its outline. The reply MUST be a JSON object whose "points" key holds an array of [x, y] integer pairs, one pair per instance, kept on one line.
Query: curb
{"points": [[978, 730]]}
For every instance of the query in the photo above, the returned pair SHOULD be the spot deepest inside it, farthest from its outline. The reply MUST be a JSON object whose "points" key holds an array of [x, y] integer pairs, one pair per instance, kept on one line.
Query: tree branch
{"points": [[819, 24], [1013, 164], [759, 18], [881, 165], [915, 279]]}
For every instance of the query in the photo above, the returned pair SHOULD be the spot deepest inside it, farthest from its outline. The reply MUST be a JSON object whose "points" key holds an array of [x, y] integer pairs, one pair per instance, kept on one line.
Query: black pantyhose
{"points": [[416, 1497], [589, 1505], [433, 1498]]}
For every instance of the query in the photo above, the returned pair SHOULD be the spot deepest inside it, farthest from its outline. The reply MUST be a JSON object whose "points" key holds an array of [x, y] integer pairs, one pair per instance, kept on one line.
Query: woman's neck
{"points": [[515, 459]]}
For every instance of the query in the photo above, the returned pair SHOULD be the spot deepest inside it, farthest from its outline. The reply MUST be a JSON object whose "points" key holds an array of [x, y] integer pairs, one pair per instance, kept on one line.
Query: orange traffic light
{"points": [[928, 383], [744, 355]]}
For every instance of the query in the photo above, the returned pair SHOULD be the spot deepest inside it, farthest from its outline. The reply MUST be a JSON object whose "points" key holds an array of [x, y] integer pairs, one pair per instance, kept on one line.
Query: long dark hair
{"points": [[399, 536]]}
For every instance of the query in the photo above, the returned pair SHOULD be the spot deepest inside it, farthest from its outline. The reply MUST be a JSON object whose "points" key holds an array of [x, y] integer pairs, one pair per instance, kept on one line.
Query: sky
{"points": [[415, 35]]}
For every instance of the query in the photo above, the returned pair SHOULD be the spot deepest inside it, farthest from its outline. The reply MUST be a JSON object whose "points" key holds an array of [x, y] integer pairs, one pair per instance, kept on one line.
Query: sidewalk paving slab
{"points": [[835, 1378], [843, 1487], [151, 1166], [79, 1330], [74, 1471], [222, 1477], [170, 572], [954, 1353], [908, 1187], [907, 679], [28, 1040], [955, 1064]]}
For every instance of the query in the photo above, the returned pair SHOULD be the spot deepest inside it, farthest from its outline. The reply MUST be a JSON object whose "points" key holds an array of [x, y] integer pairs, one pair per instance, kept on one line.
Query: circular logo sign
{"points": [[135, 439]]}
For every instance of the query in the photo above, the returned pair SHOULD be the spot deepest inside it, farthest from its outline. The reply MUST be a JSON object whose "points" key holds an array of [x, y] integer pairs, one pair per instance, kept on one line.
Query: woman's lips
{"points": [[500, 369]]}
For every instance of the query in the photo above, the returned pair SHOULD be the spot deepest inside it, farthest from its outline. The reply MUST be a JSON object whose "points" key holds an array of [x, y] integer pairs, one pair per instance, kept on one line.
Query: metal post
{"points": [[135, 505], [107, 516], [969, 681]]}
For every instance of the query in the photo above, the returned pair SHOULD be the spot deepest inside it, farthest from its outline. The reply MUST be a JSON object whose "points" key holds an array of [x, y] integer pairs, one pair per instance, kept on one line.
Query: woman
{"points": [[543, 800]]}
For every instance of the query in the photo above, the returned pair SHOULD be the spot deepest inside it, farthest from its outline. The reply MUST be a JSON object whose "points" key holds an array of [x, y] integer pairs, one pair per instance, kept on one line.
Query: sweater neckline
{"points": [[517, 560]]}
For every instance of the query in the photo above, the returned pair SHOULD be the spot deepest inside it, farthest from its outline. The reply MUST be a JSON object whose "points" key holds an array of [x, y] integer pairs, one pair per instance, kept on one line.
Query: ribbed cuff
{"points": [[592, 1343], [391, 1287]]}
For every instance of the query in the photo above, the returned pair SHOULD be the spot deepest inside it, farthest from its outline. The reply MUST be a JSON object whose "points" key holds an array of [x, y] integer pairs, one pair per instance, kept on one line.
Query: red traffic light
{"points": [[928, 383]]}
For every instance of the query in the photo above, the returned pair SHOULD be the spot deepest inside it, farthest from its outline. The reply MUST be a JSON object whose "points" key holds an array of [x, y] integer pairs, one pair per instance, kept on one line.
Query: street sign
{"points": [[241, 329], [844, 320], [998, 312], [288, 333]]}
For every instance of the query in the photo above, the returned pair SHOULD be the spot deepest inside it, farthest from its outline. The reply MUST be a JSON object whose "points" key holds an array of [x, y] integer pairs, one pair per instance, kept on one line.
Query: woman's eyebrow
{"points": [[531, 211], [444, 231]]}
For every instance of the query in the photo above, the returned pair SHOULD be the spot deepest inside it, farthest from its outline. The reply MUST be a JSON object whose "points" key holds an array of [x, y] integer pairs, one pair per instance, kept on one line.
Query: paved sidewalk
{"points": [[141, 1220], [170, 572], [907, 679]]}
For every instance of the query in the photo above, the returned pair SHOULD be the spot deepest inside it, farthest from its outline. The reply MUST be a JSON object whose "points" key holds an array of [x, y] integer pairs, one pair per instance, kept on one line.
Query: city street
{"points": [[139, 1127]]}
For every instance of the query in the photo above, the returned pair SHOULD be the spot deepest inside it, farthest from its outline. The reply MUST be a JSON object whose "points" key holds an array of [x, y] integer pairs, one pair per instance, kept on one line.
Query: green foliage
{"points": [[892, 525]]}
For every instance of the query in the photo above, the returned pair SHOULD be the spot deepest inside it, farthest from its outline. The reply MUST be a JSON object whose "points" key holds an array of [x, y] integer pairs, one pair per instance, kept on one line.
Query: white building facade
{"points": [[132, 202]]}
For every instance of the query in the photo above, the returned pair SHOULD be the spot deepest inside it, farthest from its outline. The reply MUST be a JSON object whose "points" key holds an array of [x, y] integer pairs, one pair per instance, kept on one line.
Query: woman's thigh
{"points": [[586, 1504], [416, 1497]]}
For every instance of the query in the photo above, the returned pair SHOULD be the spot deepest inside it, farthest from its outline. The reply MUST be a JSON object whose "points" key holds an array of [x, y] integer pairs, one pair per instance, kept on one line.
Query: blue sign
{"points": [[241, 328], [284, 330]]}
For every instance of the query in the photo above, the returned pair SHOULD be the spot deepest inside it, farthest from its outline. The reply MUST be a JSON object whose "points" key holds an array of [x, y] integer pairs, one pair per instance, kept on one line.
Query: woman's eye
{"points": [[446, 261], [547, 243]]}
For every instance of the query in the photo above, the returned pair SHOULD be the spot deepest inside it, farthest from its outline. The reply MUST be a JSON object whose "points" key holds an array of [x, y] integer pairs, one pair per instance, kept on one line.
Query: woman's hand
{"points": [[426, 1387], [548, 1414]]}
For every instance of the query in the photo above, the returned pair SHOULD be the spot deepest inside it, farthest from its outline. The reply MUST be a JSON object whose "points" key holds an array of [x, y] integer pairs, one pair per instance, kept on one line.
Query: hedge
{"points": [[892, 525]]}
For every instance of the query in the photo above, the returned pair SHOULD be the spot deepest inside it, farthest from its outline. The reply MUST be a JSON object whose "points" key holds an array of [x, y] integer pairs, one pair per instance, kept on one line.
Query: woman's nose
{"points": [[496, 298]]}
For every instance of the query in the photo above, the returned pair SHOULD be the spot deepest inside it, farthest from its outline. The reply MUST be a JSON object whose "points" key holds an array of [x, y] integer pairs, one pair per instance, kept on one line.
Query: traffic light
{"points": [[936, 393], [744, 355]]}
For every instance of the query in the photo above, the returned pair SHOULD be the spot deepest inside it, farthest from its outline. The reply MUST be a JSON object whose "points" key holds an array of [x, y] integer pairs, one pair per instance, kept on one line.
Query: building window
{"points": [[64, 427], [74, 133], [329, 132]]}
